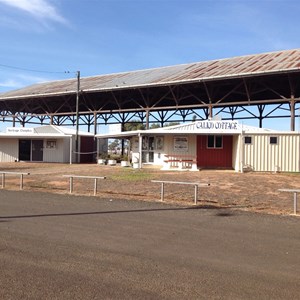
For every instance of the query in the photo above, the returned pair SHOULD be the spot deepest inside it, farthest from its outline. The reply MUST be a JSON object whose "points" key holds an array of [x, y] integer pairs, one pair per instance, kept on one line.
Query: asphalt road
{"points": [[68, 247]]}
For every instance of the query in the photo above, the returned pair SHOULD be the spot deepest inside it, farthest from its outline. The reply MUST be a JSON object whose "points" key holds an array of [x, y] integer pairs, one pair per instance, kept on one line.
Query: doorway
{"points": [[31, 150], [37, 150], [24, 150], [148, 148]]}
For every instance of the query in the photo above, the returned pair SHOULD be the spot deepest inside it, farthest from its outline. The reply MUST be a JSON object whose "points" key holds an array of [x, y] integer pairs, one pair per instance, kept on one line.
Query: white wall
{"points": [[262, 156], [9, 150], [236, 152], [192, 145], [56, 154], [168, 149]]}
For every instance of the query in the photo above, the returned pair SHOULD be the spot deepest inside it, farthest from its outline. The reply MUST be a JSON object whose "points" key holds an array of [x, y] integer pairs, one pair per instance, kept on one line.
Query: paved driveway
{"points": [[67, 247]]}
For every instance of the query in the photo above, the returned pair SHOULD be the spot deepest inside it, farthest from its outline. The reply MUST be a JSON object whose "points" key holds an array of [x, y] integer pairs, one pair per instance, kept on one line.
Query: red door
{"points": [[214, 151]]}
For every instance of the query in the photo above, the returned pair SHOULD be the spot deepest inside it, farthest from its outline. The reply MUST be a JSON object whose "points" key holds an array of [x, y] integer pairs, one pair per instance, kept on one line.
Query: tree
{"points": [[154, 125], [114, 145], [134, 125], [171, 124]]}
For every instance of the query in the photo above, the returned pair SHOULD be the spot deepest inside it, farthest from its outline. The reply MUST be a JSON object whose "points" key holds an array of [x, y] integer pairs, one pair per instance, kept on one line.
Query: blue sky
{"points": [[108, 36]]}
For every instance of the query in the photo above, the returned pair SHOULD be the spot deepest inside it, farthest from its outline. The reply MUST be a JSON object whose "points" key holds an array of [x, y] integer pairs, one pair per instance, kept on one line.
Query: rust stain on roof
{"points": [[258, 64]]}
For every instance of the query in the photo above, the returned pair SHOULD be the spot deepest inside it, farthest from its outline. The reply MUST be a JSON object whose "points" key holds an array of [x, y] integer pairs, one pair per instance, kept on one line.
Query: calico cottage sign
{"points": [[222, 126]]}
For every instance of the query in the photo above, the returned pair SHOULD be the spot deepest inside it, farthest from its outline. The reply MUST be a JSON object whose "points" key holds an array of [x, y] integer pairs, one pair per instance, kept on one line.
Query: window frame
{"points": [[51, 144], [273, 140], [248, 140], [215, 142]]}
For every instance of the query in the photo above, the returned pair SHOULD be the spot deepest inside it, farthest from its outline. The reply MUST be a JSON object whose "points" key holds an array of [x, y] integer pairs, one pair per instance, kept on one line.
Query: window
{"points": [[159, 141], [145, 143], [273, 140], [51, 144], [211, 141], [151, 143], [214, 141], [248, 140], [218, 141]]}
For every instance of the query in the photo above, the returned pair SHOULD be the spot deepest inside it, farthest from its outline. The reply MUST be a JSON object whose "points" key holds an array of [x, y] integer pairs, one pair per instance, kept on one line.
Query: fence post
{"points": [[196, 193], [295, 203], [71, 185], [95, 187], [162, 192], [21, 182]]}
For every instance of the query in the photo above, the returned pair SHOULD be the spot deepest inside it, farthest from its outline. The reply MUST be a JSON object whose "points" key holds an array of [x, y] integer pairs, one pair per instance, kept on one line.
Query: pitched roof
{"points": [[198, 127], [242, 66]]}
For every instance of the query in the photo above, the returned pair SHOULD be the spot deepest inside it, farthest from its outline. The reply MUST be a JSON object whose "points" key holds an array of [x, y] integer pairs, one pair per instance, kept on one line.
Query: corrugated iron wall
{"points": [[262, 156], [9, 150], [56, 154]]}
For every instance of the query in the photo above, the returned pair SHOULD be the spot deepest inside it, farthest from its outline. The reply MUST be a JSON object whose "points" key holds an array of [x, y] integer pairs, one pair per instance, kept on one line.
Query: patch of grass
{"points": [[132, 175]]}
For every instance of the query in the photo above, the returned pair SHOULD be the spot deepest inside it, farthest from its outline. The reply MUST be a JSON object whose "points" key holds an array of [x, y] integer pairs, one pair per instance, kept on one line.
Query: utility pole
{"points": [[77, 117], [293, 114]]}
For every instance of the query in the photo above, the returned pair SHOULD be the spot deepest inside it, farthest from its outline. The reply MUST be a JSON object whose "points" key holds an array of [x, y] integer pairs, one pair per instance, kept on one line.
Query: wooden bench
{"points": [[195, 184], [13, 173], [180, 161], [88, 177], [295, 191]]}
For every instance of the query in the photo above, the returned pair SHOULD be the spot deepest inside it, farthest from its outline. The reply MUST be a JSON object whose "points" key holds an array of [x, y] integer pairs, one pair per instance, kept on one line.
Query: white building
{"points": [[45, 144], [215, 144]]}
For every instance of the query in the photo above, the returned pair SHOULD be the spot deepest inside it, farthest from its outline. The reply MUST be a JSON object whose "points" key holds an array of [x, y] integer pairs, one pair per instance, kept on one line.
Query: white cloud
{"points": [[40, 9], [18, 81], [32, 79], [10, 83]]}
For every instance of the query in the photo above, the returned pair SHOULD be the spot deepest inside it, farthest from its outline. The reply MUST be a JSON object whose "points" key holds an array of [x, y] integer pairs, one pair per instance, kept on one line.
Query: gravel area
{"points": [[248, 191]]}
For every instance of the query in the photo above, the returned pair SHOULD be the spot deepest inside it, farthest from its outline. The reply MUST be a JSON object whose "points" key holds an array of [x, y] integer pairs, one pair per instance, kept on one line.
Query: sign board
{"points": [[19, 130], [218, 126], [115, 128], [181, 144]]}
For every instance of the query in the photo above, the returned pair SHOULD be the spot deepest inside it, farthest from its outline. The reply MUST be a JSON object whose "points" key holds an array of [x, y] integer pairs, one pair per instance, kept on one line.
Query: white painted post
{"points": [[71, 185], [242, 151], [294, 191], [295, 203], [21, 182], [95, 187], [162, 192], [71, 149], [140, 150], [3, 180], [196, 193]]}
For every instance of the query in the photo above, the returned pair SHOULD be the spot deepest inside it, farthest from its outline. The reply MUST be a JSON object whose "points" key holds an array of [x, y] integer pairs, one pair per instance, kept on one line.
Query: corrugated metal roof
{"points": [[46, 129], [243, 66], [193, 129]]}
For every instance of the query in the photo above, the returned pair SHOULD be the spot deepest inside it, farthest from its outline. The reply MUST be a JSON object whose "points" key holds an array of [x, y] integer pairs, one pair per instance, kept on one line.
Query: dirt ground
{"points": [[248, 191]]}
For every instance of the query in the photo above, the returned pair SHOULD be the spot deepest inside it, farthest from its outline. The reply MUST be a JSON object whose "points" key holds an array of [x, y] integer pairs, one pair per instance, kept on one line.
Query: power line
{"points": [[36, 71]]}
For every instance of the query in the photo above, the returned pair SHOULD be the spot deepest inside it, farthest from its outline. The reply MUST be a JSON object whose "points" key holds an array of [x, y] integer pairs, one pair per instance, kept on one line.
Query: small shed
{"points": [[46, 144], [214, 144]]}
